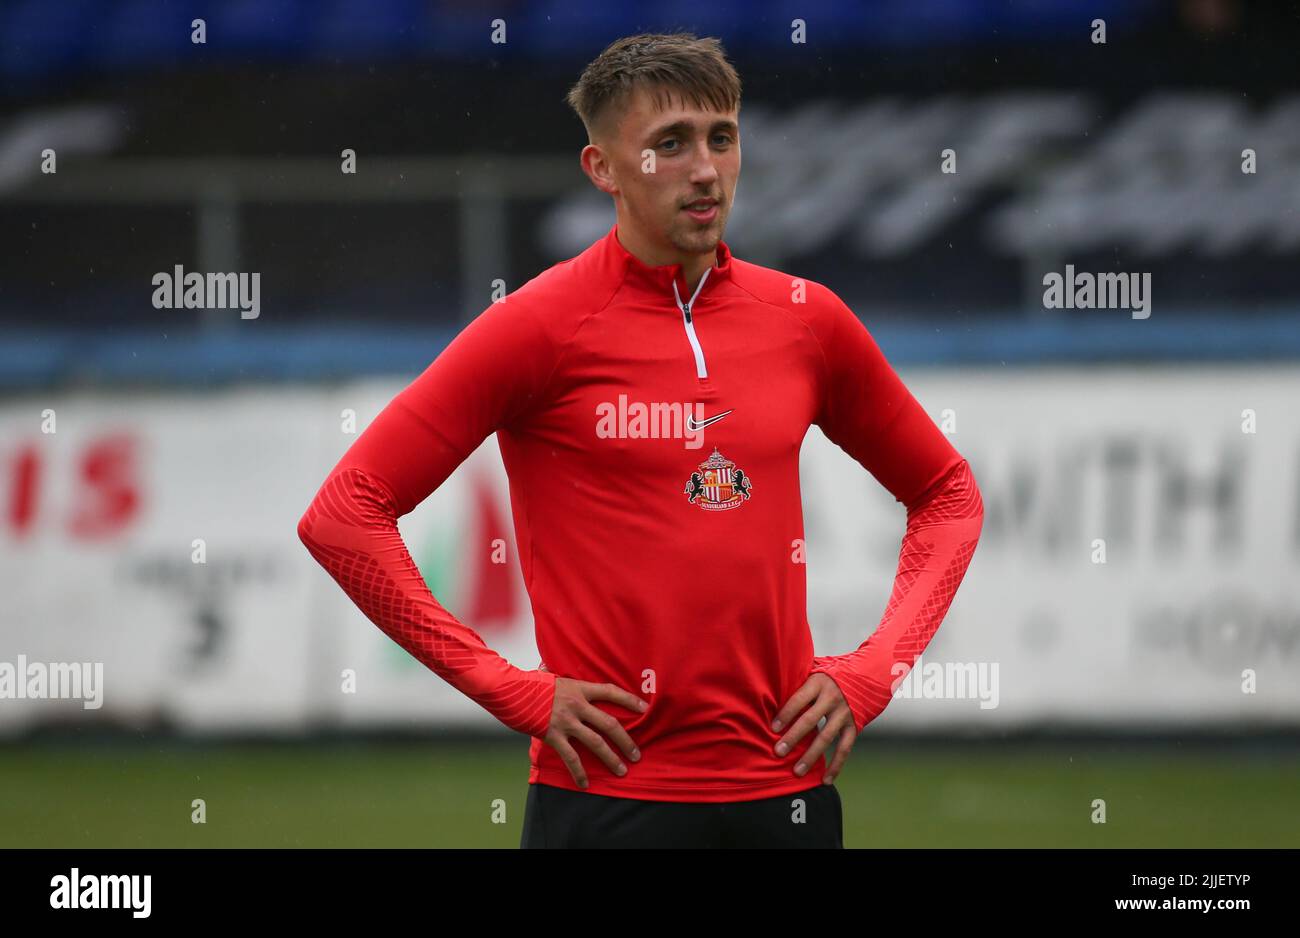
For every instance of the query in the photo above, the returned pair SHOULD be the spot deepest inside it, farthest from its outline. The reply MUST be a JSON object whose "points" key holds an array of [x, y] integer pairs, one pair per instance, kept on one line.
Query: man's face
{"points": [[662, 161]]}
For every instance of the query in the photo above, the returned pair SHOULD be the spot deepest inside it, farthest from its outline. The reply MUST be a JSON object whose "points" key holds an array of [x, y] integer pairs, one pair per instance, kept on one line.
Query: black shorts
{"points": [[560, 817]]}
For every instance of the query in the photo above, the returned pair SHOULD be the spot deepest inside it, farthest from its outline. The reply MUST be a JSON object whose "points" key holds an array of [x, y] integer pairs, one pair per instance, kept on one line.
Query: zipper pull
{"points": [[686, 310]]}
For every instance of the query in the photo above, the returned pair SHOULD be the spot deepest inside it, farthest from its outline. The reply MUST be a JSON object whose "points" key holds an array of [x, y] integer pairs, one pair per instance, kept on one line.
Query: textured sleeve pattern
{"points": [[942, 531], [489, 375], [868, 412]]}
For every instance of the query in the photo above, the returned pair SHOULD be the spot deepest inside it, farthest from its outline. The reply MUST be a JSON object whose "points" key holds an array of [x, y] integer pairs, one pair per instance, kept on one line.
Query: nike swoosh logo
{"points": [[692, 424]]}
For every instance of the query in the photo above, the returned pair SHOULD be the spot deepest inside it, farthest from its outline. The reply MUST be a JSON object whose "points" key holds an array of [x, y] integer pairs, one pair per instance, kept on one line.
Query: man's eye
{"points": [[666, 142], [724, 137]]}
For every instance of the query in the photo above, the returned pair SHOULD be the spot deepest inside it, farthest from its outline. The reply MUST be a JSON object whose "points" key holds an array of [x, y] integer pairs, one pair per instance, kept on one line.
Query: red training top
{"points": [[651, 433]]}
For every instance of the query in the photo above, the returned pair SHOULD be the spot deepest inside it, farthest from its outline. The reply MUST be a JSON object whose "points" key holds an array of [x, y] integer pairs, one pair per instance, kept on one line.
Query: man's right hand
{"points": [[573, 716]]}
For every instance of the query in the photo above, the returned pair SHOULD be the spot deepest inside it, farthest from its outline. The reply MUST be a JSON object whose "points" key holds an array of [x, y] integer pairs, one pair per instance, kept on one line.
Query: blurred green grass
{"points": [[440, 794]]}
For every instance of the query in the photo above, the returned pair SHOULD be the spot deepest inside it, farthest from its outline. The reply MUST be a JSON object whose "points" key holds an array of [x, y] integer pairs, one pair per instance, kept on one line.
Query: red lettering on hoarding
{"points": [[22, 500], [109, 498]]}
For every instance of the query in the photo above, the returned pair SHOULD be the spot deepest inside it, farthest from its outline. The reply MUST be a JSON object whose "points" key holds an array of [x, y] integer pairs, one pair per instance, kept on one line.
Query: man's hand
{"points": [[827, 701], [572, 712]]}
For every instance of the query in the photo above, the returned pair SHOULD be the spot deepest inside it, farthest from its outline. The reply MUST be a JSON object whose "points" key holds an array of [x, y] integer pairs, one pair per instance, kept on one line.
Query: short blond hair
{"points": [[694, 68]]}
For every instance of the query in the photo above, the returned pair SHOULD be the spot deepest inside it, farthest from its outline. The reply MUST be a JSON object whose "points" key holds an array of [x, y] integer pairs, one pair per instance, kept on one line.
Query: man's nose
{"points": [[702, 168]]}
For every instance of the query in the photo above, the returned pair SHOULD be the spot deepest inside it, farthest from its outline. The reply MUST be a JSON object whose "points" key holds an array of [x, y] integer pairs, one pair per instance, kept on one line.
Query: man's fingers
{"points": [[610, 727], [614, 694], [572, 712], [848, 736], [570, 758], [800, 699], [819, 745], [808, 721], [825, 738], [596, 743]]}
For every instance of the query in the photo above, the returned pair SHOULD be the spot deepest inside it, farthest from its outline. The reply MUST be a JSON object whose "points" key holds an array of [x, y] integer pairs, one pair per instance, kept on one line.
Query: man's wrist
{"points": [[523, 701], [840, 669]]}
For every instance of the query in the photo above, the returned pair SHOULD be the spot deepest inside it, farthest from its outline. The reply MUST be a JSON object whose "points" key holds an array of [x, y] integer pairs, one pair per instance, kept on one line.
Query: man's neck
{"points": [[693, 265]]}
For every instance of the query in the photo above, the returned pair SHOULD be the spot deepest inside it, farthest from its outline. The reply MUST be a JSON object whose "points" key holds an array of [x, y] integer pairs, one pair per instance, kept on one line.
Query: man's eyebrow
{"points": [[682, 126]]}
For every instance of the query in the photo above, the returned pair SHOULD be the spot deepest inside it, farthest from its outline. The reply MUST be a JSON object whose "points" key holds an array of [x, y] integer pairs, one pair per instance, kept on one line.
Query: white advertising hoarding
{"points": [[155, 534]]}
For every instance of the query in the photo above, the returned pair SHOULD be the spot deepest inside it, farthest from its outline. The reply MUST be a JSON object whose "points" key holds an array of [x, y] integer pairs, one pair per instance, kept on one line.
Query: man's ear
{"points": [[598, 169]]}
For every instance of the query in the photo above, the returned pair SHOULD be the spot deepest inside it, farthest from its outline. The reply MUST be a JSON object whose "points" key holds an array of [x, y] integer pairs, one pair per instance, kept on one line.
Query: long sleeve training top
{"points": [[650, 431]]}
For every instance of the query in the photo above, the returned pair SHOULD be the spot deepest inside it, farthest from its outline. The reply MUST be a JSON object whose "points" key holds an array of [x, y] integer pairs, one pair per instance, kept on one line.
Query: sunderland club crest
{"points": [[717, 484]]}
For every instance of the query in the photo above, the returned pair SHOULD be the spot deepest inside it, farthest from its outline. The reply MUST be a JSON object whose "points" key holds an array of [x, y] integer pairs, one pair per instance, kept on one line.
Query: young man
{"points": [[650, 397]]}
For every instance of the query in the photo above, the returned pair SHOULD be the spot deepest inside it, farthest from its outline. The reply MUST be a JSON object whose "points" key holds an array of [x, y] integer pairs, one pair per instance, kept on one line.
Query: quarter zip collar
{"points": [[667, 276]]}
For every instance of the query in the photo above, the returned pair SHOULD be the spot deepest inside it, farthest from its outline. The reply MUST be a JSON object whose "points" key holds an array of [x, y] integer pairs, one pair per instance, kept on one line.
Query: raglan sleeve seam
{"points": [[560, 353], [812, 331]]}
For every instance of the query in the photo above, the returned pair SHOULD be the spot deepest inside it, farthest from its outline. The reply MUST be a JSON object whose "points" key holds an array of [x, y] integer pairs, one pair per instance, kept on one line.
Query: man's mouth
{"points": [[703, 210]]}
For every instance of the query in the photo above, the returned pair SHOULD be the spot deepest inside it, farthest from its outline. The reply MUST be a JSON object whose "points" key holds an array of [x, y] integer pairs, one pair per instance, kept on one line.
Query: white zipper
{"points": [[700, 370]]}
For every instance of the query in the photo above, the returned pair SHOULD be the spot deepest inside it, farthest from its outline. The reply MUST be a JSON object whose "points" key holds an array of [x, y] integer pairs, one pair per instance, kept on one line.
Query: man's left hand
{"points": [[821, 698]]}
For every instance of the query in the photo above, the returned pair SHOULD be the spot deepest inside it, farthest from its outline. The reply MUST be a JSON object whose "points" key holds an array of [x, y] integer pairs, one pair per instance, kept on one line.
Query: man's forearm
{"points": [[943, 528], [351, 529]]}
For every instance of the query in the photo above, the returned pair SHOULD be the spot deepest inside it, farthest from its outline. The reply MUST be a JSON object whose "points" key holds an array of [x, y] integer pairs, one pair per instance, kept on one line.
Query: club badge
{"points": [[718, 484]]}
